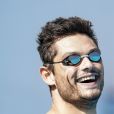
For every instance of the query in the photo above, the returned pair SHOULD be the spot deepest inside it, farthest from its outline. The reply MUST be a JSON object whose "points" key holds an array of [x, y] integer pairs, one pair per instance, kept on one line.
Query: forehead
{"points": [[78, 43]]}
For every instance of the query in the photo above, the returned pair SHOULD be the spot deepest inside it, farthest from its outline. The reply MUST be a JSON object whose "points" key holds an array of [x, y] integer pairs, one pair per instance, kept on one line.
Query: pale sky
{"points": [[22, 90]]}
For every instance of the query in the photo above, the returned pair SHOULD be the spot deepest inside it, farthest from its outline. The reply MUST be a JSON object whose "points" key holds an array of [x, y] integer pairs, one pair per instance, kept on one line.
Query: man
{"points": [[72, 65]]}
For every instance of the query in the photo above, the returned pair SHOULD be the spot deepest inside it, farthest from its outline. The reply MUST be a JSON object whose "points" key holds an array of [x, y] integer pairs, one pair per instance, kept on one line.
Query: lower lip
{"points": [[90, 85]]}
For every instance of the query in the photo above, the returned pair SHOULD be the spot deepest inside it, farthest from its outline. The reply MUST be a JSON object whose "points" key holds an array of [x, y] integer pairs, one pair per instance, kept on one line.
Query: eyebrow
{"points": [[78, 53]]}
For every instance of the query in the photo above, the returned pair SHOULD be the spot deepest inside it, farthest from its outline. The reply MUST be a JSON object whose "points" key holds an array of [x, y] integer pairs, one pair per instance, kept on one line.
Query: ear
{"points": [[47, 76]]}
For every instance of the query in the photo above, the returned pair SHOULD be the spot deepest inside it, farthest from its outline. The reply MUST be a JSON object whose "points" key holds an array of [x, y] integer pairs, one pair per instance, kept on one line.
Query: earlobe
{"points": [[47, 76]]}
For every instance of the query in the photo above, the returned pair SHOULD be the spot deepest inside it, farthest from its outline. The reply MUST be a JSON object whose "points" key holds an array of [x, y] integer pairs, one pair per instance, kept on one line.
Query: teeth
{"points": [[86, 78]]}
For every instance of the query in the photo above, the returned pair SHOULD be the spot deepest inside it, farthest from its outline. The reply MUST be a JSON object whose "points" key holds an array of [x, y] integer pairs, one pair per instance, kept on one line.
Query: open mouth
{"points": [[88, 79]]}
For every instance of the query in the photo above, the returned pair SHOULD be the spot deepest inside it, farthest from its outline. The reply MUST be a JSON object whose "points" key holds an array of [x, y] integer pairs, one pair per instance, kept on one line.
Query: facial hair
{"points": [[71, 93], [88, 102]]}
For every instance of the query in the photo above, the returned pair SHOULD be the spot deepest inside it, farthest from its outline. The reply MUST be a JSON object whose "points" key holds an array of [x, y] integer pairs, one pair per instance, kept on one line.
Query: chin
{"points": [[88, 99], [91, 94]]}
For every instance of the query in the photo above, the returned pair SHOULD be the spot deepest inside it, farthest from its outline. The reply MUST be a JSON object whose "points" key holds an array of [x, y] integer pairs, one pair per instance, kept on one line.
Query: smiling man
{"points": [[72, 65]]}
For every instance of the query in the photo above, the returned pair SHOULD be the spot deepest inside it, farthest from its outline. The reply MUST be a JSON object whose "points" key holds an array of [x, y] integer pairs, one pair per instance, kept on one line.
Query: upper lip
{"points": [[87, 75]]}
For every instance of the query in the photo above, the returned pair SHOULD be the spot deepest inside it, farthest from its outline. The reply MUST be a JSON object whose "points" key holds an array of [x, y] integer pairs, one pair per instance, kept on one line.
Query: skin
{"points": [[69, 96]]}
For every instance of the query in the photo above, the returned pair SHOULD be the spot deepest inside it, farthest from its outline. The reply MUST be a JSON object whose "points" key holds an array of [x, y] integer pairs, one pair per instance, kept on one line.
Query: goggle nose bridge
{"points": [[84, 56]]}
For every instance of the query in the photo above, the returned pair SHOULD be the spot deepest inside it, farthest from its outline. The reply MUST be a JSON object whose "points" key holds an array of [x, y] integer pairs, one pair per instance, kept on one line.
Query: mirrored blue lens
{"points": [[95, 56], [74, 59]]}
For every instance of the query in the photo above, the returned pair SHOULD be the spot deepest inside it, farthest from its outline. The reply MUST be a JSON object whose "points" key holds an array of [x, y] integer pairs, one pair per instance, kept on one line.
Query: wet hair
{"points": [[56, 30]]}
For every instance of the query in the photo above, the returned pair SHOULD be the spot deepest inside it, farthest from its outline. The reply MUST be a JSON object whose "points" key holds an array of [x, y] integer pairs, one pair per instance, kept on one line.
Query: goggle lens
{"points": [[75, 59], [95, 56]]}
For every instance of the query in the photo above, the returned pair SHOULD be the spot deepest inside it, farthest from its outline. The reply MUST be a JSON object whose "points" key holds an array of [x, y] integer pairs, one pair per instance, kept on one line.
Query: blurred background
{"points": [[22, 90]]}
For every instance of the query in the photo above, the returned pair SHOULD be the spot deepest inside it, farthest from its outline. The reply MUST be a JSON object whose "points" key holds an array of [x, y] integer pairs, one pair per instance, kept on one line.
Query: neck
{"points": [[60, 106]]}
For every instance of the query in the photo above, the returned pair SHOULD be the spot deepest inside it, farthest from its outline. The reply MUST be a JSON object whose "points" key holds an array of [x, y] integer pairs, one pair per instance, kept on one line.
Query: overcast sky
{"points": [[22, 90]]}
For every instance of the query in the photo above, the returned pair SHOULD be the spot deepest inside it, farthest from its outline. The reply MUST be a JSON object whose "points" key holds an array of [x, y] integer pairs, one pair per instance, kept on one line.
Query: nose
{"points": [[86, 64]]}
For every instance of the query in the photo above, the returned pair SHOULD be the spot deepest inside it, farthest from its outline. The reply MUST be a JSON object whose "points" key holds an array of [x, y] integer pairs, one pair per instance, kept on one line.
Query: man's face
{"points": [[68, 88]]}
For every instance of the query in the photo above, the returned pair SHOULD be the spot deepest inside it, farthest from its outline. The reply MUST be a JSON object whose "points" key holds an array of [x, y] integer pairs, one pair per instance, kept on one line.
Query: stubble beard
{"points": [[72, 94]]}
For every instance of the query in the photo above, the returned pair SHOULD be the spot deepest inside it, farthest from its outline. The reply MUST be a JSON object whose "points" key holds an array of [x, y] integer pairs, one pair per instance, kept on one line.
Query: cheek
{"points": [[59, 73], [64, 71], [100, 67], [65, 74], [71, 75]]}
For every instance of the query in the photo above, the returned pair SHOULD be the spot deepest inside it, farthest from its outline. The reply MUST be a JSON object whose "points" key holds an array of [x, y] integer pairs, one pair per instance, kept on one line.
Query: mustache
{"points": [[92, 71]]}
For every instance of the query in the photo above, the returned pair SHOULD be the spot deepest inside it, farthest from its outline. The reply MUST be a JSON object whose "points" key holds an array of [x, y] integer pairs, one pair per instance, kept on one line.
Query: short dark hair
{"points": [[59, 28]]}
